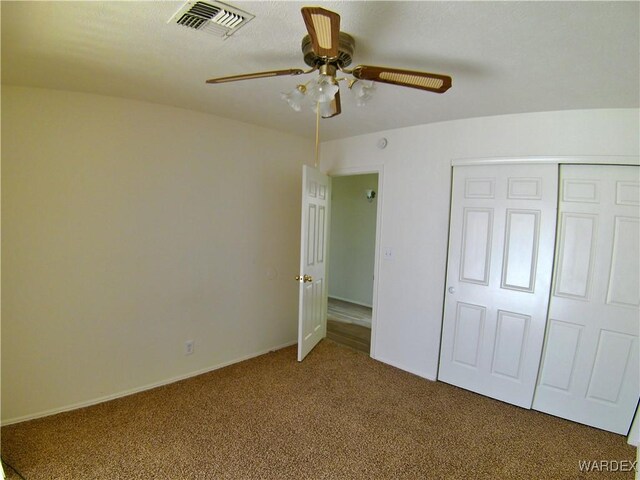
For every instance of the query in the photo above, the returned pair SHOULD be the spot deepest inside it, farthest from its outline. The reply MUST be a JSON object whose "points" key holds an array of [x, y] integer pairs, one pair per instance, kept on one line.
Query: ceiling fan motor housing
{"points": [[346, 46]]}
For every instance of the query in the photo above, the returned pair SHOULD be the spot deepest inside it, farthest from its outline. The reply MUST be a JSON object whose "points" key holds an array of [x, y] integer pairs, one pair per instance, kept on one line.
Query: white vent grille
{"points": [[215, 18]]}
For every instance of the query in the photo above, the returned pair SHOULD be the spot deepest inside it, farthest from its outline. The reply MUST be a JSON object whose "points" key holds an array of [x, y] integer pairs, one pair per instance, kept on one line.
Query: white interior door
{"points": [[498, 278], [590, 364], [312, 311]]}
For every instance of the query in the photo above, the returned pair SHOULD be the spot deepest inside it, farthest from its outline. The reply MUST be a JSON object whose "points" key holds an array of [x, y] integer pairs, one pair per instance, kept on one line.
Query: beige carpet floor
{"points": [[337, 415]]}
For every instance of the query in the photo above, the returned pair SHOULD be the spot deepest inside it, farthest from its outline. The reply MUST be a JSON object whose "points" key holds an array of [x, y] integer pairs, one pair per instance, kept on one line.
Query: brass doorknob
{"points": [[304, 278]]}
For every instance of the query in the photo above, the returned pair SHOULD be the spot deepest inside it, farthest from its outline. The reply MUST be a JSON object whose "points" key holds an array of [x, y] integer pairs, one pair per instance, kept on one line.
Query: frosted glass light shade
{"points": [[322, 90], [294, 98], [326, 110], [362, 91]]}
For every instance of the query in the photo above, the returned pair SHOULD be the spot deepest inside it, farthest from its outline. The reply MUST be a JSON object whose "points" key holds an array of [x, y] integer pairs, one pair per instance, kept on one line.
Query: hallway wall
{"points": [[352, 238]]}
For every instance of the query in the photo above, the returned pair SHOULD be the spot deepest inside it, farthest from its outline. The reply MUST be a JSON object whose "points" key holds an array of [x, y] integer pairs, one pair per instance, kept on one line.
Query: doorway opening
{"points": [[352, 260]]}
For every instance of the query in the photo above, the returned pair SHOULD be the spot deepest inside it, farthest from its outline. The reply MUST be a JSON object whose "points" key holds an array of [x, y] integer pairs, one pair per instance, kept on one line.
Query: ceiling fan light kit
{"points": [[328, 50]]}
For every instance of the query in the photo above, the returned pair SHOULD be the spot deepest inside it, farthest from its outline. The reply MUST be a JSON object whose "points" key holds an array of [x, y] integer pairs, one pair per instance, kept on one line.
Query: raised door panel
{"points": [[611, 362], [311, 235], [562, 347], [509, 351], [624, 279], [308, 316], [479, 188], [525, 188], [469, 329], [477, 227], [317, 311], [521, 250], [628, 193], [574, 264], [580, 190], [320, 235]]}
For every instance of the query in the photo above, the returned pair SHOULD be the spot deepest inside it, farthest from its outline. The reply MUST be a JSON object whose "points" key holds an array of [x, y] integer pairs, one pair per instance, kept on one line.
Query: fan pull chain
{"points": [[317, 132]]}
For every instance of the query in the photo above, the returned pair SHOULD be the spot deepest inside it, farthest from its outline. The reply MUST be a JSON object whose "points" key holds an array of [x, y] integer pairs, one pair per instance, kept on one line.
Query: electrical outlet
{"points": [[188, 347]]}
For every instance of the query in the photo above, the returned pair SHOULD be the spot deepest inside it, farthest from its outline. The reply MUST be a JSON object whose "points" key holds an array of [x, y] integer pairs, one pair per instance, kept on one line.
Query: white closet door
{"points": [[498, 278], [590, 365]]}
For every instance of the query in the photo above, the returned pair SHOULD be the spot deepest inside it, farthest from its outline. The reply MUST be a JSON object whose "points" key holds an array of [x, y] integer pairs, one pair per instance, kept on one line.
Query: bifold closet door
{"points": [[498, 278], [590, 364]]}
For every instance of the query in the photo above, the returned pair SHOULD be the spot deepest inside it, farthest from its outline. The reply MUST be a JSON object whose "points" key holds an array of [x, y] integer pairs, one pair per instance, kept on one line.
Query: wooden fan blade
{"points": [[249, 76], [431, 82], [336, 108], [324, 29]]}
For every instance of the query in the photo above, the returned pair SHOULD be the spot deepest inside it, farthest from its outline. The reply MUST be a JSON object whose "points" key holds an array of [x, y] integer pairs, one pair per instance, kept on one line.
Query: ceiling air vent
{"points": [[215, 18]]}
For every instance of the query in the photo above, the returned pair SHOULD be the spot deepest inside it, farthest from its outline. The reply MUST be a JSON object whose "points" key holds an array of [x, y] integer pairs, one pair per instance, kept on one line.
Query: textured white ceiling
{"points": [[504, 57]]}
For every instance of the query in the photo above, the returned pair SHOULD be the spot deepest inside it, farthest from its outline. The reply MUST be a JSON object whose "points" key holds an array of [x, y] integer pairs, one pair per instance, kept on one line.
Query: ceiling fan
{"points": [[328, 50]]}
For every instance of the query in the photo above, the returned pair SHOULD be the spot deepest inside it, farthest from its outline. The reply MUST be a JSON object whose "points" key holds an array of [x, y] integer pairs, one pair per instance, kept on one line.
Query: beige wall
{"points": [[353, 238], [129, 228], [415, 207]]}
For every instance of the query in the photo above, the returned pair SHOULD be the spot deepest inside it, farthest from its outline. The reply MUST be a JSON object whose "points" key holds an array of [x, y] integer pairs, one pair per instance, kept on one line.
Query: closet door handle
{"points": [[452, 290]]}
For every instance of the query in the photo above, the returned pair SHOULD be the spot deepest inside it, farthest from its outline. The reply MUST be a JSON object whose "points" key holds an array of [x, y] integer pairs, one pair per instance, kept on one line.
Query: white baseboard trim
{"points": [[132, 391], [350, 301]]}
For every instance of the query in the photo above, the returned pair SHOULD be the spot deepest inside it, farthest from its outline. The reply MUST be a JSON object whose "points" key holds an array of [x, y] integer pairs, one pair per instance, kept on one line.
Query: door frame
{"points": [[363, 170], [559, 160]]}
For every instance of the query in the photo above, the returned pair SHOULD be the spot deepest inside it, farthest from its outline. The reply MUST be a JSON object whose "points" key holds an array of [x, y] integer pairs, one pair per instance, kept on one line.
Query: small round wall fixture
{"points": [[370, 194], [382, 143]]}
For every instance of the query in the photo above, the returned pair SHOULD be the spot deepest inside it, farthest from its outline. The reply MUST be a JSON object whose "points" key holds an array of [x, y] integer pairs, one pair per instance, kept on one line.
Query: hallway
{"points": [[349, 324]]}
